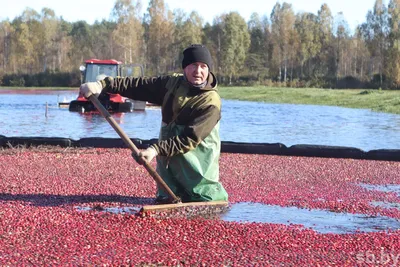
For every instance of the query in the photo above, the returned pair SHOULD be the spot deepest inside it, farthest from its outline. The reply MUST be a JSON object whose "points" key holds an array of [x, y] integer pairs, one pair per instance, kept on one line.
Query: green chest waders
{"points": [[194, 176]]}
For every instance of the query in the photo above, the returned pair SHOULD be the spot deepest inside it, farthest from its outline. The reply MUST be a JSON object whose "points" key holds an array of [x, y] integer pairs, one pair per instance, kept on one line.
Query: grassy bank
{"points": [[377, 100]]}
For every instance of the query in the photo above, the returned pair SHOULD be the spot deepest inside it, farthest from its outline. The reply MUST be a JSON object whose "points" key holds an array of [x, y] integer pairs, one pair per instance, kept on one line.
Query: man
{"points": [[188, 149]]}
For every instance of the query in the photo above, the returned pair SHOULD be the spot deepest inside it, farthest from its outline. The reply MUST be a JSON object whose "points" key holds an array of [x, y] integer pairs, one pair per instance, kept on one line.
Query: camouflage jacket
{"points": [[198, 110]]}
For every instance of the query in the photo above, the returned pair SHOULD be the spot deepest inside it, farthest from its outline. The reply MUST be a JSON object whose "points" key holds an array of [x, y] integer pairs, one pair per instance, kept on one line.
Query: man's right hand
{"points": [[91, 88], [146, 155]]}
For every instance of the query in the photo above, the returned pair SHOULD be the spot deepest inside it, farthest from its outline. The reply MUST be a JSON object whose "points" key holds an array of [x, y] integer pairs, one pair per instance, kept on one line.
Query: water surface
{"points": [[23, 113]]}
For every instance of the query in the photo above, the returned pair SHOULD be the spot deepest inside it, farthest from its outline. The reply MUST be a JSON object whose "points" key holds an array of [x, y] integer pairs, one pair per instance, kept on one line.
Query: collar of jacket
{"points": [[211, 83]]}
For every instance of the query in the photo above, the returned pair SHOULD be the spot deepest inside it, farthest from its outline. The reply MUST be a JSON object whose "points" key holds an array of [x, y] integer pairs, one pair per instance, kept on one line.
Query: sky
{"points": [[354, 11]]}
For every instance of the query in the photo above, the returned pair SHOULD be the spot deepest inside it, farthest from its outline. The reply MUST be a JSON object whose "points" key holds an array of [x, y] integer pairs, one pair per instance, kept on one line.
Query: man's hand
{"points": [[146, 155], [91, 88]]}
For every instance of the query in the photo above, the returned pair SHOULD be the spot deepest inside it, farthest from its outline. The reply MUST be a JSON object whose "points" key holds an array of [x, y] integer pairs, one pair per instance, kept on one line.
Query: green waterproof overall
{"points": [[194, 175]]}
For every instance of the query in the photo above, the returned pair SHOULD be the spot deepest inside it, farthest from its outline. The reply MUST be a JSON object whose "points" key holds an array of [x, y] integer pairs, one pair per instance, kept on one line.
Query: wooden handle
{"points": [[133, 148]]}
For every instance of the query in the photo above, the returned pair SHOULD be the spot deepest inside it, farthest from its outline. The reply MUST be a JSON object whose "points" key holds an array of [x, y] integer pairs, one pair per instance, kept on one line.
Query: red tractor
{"points": [[95, 70]]}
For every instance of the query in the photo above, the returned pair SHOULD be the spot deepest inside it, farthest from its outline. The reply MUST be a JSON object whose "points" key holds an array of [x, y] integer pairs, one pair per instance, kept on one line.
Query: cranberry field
{"points": [[76, 207]]}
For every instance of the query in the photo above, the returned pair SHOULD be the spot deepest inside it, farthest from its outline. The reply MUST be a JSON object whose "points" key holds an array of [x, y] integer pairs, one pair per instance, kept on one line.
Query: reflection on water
{"points": [[242, 121]]}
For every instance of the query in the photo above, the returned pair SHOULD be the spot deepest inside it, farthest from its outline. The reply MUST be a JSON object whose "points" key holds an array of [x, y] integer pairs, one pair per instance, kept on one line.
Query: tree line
{"points": [[281, 49]]}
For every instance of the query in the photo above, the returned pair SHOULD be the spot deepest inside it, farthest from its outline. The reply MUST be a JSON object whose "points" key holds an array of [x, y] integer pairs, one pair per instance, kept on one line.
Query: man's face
{"points": [[196, 73]]}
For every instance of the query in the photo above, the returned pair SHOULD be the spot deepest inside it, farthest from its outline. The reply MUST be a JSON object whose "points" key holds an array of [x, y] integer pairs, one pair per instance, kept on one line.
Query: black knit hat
{"points": [[196, 53]]}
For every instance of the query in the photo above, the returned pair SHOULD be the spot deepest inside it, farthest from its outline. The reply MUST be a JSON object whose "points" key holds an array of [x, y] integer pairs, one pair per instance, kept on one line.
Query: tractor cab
{"points": [[95, 70]]}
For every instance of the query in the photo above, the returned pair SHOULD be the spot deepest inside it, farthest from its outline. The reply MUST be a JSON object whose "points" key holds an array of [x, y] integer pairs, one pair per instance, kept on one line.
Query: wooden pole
{"points": [[133, 148]]}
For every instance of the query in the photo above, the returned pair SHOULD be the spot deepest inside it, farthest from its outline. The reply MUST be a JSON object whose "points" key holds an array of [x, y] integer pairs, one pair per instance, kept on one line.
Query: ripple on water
{"points": [[386, 188], [322, 221]]}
